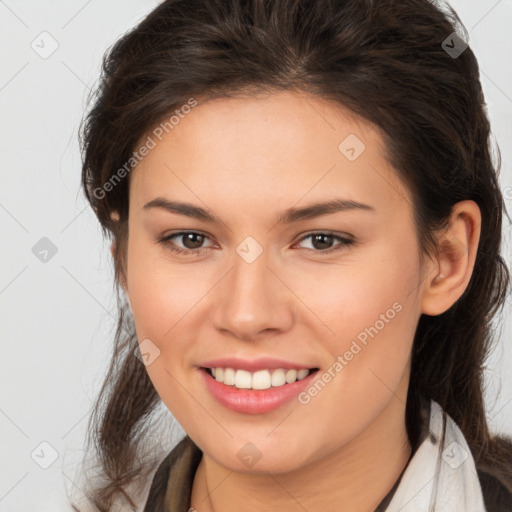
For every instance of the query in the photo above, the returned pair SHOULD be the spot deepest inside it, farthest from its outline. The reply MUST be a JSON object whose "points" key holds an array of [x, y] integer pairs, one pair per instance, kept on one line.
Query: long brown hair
{"points": [[384, 60]]}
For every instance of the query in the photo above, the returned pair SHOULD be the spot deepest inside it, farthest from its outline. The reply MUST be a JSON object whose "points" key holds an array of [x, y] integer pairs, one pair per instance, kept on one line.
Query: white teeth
{"points": [[278, 377], [229, 376], [302, 373], [262, 379], [219, 374], [242, 379], [291, 376]]}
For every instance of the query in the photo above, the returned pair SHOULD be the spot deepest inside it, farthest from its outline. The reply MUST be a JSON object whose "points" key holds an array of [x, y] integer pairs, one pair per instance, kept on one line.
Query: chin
{"points": [[256, 458]]}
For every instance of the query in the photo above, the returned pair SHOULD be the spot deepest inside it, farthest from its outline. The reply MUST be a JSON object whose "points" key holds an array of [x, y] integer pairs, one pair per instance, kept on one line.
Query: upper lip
{"points": [[263, 363]]}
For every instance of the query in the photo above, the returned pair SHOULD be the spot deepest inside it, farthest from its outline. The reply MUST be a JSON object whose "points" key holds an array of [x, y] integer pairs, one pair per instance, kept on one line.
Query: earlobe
{"points": [[454, 260]]}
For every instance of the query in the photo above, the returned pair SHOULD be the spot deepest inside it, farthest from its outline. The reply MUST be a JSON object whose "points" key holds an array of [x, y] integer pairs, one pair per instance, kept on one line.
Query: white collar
{"points": [[441, 476]]}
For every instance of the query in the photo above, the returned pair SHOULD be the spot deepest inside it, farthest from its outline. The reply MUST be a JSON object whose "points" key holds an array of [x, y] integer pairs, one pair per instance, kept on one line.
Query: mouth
{"points": [[256, 392], [258, 380]]}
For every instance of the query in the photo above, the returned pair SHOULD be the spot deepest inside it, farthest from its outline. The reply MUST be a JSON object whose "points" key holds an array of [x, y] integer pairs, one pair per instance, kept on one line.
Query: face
{"points": [[336, 290]]}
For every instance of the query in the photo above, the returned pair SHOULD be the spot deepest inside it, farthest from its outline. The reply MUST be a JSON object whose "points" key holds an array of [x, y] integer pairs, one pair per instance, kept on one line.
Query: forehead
{"points": [[267, 149]]}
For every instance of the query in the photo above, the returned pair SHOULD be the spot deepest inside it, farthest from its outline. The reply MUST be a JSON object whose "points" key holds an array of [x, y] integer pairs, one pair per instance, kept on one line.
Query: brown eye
{"points": [[323, 242], [192, 242]]}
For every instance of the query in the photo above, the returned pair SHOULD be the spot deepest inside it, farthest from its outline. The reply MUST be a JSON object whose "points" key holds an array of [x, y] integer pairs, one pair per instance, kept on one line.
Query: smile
{"points": [[257, 392], [262, 379]]}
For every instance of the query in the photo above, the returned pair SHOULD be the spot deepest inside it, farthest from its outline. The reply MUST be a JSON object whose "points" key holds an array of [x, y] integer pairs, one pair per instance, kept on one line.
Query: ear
{"points": [[454, 261]]}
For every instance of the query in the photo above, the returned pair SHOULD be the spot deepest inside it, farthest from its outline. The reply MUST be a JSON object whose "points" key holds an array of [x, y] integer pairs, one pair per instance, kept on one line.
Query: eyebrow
{"points": [[287, 217]]}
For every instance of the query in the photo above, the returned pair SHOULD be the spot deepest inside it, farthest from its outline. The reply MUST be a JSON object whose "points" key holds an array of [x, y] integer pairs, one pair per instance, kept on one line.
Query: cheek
{"points": [[162, 294], [352, 295], [369, 309], [164, 298], [376, 347]]}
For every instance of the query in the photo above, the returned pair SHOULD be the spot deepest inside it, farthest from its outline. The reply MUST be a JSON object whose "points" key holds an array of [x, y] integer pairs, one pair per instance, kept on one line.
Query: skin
{"points": [[246, 160]]}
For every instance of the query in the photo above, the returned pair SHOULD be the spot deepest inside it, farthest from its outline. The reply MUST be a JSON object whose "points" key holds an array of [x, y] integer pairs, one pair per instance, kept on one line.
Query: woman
{"points": [[305, 222]]}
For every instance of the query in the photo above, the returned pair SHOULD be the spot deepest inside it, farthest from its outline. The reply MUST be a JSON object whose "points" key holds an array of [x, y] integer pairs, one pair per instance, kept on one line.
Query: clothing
{"points": [[439, 477]]}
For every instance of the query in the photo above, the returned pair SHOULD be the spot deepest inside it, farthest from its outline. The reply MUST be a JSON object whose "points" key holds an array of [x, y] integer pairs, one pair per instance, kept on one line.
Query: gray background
{"points": [[58, 317]]}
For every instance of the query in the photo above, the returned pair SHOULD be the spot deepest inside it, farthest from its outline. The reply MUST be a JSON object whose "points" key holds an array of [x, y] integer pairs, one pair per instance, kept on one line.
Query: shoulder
{"points": [[492, 464], [181, 463], [497, 497]]}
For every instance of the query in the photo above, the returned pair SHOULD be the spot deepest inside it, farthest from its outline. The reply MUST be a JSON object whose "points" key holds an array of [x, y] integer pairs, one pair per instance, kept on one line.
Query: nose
{"points": [[254, 300]]}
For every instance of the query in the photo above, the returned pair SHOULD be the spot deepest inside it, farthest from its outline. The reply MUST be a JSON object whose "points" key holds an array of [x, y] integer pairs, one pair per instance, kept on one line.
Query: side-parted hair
{"points": [[382, 59]]}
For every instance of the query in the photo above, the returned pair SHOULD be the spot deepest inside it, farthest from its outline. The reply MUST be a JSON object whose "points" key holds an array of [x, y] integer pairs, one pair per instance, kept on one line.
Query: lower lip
{"points": [[251, 401]]}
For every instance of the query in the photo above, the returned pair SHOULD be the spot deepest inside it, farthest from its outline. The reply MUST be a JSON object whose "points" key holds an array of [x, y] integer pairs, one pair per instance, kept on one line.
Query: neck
{"points": [[357, 476]]}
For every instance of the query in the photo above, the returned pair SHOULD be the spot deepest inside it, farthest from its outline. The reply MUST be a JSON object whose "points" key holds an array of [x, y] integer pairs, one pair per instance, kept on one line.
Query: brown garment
{"points": [[172, 483], [171, 488]]}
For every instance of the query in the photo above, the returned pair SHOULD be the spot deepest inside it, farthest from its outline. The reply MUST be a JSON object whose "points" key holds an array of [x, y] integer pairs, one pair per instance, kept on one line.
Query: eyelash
{"points": [[166, 241]]}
